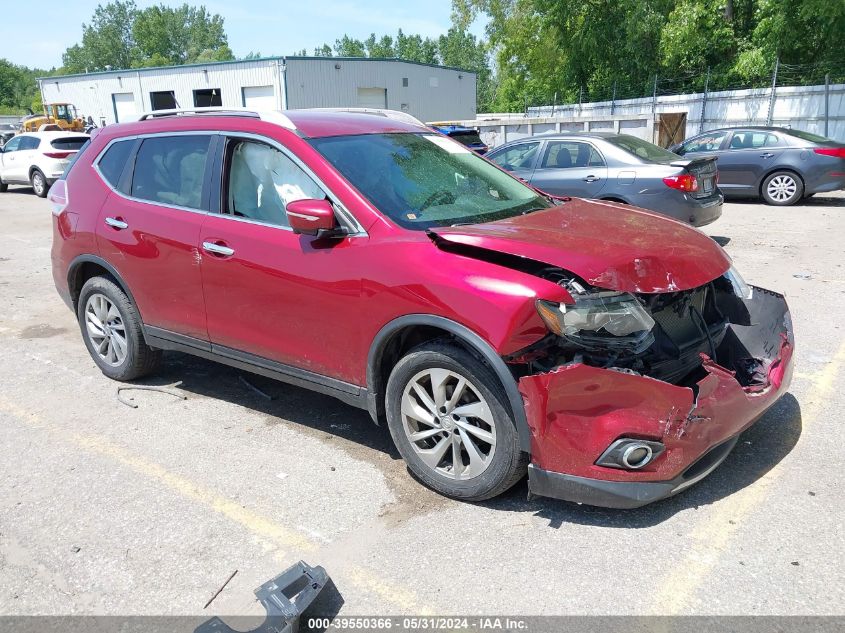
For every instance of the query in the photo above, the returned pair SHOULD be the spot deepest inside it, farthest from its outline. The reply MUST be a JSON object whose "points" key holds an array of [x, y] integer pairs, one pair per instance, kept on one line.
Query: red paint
{"points": [[575, 412], [610, 246]]}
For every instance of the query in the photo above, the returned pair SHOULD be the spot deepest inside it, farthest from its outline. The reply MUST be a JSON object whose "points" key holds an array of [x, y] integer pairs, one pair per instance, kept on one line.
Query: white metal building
{"points": [[430, 93]]}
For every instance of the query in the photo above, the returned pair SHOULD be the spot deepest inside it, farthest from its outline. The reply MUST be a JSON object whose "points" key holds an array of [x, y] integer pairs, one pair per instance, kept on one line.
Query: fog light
{"points": [[636, 455], [630, 454]]}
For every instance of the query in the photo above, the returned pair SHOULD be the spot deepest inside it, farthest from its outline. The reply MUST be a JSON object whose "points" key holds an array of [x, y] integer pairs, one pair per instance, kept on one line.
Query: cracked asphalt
{"points": [[106, 509]]}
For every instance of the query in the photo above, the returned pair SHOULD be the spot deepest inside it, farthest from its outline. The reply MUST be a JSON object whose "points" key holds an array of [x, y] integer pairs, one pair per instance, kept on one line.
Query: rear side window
{"points": [[69, 144], [171, 170], [114, 160]]}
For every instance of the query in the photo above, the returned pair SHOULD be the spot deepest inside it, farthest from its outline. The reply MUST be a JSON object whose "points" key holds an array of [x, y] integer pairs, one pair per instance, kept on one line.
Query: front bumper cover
{"points": [[575, 411]]}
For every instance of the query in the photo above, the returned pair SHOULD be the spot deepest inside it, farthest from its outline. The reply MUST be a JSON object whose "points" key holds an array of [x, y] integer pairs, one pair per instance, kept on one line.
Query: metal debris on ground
{"points": [[222, 587], [130, 403], [285, 598], [261, 393]]}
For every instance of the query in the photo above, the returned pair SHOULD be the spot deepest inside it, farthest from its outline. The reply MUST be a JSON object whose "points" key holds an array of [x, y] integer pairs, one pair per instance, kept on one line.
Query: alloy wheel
{"points": [[781, 188], [105, 329], [448, 424], [38, 183]]}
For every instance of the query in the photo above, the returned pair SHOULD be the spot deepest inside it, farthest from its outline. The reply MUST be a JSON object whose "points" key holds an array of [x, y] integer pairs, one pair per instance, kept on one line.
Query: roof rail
{"points": [[396, 115], [271, 116]]}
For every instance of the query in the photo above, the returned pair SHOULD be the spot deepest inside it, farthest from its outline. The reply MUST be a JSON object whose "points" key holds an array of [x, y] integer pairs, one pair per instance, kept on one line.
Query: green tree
{"points": [[107, 42], [180, 35], [349, 47]]}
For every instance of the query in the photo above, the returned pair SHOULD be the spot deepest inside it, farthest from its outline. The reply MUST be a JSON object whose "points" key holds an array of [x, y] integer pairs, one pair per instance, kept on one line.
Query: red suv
{"points": [[613, 353]]}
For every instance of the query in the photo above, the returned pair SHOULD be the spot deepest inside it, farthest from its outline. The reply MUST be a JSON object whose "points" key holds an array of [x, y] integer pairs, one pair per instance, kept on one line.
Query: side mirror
{"points": [[312, 217]]}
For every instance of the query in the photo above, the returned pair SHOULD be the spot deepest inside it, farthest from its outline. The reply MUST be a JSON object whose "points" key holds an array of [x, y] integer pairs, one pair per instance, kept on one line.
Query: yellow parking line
{"points": [[709, 540], [283, 540]]}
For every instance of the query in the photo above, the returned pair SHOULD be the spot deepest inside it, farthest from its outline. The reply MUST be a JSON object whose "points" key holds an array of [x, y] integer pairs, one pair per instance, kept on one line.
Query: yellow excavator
{"points": [[61, 115]]}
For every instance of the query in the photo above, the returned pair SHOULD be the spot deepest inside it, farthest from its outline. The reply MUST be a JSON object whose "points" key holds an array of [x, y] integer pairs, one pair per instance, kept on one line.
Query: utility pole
{"points": [[580, 99], [826, 101], [613, 99], [554, 105], [654, 96], [772, 95], [704, 102]]}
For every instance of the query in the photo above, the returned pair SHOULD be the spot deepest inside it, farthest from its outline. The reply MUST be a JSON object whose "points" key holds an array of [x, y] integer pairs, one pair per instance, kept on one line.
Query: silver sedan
{"points": [[619, 168]]}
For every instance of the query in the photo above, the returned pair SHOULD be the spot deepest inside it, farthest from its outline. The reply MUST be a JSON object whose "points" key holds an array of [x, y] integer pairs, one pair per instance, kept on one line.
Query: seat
{"points": [[563, 158], [737, 142]]}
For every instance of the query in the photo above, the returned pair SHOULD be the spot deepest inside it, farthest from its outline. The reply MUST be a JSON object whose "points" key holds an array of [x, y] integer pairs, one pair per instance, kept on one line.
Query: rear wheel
{"points": [[111, 328], [39, 183], [446, 414], [782, 188]]}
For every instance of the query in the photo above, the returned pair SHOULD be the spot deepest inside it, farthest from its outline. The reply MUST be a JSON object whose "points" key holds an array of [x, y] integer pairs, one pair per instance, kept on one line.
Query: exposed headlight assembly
{"points": [[741, 289], [600, 320]]}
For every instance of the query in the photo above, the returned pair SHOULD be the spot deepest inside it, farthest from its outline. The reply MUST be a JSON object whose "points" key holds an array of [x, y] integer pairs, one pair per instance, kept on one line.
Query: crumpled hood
{"points": [[608, 245]]}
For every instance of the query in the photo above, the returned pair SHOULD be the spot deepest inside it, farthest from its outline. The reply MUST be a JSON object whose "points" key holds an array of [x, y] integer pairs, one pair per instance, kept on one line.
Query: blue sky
{"points": [[267, 26]]}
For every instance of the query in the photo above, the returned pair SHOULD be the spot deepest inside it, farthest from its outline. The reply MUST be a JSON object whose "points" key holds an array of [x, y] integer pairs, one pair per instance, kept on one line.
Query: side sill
{"points": [[344, 391]]}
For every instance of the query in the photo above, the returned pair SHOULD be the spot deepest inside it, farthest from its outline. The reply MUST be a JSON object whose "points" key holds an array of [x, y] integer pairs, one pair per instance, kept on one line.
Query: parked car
{"points": [[37, 159], [618, 168], [7, 131], [465, 136], [779, 165], [614, 356]]}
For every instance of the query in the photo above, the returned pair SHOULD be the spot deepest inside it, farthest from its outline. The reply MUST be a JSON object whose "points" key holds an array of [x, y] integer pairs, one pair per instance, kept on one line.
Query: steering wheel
{"points": [[438, 197]]}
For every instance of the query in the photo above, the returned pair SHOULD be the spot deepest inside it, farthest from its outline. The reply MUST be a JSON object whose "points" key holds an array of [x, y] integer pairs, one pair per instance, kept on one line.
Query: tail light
{"points": [[838, 152], [58, 154], [682, 182], [58, 196]]}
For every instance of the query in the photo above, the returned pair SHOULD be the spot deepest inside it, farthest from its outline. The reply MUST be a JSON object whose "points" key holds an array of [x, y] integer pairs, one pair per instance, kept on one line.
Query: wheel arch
{"points": [[83, 268], [35, 168], [403, 333]]}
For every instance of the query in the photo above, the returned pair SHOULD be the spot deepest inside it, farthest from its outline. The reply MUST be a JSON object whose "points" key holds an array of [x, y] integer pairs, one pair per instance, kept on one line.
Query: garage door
{"points": [[372, 97], [124, 106], [259, 97]]}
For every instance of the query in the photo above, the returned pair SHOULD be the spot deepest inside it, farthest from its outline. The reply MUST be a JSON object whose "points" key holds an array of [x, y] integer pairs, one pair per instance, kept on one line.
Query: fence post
{"points": [[772, 95], [554, 104], [654, 129], [826, 101], [704, 102], [580, 99], [613, 99]]}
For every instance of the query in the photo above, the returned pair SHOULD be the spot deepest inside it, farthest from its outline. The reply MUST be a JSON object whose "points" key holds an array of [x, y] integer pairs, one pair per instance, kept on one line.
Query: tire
{"points": [[102, 297], [782, 188], [3, 186], [496, 465], [39, 183]]}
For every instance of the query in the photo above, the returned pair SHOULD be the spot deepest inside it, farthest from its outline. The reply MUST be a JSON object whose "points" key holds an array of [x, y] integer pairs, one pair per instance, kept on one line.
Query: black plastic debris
{"points": [[284, 598]]}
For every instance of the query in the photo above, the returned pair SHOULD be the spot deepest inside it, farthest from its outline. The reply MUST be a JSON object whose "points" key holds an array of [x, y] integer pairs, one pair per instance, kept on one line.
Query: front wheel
{"points": [[447, 416], [782, 188], [39, 183]]}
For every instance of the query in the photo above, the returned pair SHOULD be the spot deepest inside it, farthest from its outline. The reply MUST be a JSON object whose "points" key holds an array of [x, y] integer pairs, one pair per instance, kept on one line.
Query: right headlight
{"points": [[605, 319]]}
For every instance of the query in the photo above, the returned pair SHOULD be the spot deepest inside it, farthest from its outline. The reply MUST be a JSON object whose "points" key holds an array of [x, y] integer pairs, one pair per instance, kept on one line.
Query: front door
{"points": [[149, 228], [571, 168], [11, 165], [269, 292]]}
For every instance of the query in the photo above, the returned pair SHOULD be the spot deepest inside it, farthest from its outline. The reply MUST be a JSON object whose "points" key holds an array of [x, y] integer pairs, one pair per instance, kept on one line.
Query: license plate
{"points": [[708, 185]]}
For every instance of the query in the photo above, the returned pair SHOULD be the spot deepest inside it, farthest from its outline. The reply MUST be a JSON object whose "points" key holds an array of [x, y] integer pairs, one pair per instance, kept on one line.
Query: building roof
{"points": [[283, 59]]}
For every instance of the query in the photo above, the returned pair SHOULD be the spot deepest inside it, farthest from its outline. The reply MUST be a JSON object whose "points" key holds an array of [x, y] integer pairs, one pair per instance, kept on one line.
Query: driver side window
{"points": [[519, 156], [261, 181], [13, 145]]}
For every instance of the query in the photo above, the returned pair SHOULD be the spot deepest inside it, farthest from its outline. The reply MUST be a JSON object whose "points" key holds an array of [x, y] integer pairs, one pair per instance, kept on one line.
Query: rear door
{"points": [[149, 226], [519, 158], [749, 154], [571, 168]]}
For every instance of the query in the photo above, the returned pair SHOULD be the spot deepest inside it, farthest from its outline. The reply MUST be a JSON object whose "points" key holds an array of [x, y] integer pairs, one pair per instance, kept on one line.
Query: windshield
{"points": [[425, 180], [642, 149]]}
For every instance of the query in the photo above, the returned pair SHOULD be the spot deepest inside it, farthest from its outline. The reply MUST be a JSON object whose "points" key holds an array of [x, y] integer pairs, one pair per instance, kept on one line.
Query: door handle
{"points": [[766, 155], [117, 223], [590, 178], [218, 249]]}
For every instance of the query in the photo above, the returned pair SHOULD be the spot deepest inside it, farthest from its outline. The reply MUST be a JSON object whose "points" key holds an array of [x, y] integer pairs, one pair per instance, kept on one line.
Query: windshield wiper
{"points": [[532, 210]]}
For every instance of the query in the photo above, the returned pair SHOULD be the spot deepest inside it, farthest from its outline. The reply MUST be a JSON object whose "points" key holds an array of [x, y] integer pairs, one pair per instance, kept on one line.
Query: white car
{"points": [[38, 159]]}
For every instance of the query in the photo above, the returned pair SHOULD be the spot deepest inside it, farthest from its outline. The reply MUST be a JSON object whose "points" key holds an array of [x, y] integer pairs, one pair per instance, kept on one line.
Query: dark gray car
{"points": [[780, 165], [616, 167]]}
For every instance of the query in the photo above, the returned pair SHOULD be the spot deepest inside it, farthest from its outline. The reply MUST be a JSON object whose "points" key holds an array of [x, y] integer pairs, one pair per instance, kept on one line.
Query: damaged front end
{"points": [[633, 397]]}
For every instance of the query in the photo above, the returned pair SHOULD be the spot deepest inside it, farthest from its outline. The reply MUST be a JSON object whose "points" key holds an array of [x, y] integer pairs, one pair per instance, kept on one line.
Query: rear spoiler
{"points": [[686, 162]]}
